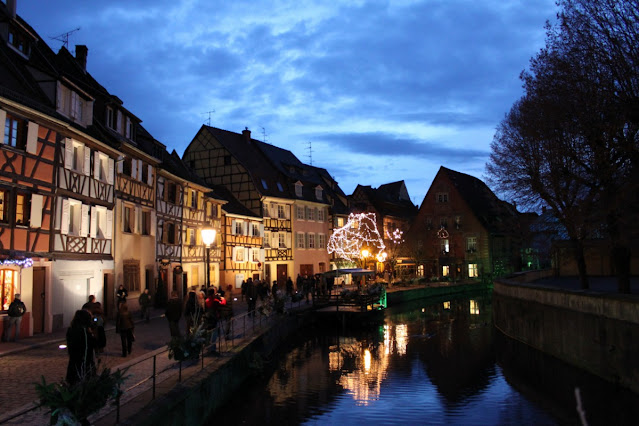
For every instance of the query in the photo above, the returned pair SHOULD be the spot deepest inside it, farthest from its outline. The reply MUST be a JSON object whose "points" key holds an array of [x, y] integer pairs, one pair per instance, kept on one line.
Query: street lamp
{"points": [[208, 236], [365, 254]]}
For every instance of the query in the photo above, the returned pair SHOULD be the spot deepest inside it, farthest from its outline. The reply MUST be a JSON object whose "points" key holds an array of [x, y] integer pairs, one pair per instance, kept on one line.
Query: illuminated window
{"points": [[23, 208], [447, 305], [472, 270], [445, 270], [340, 222], [255, 255], [420, 271], [471, 244], [474, 307], [8, 287], [444, 245]]}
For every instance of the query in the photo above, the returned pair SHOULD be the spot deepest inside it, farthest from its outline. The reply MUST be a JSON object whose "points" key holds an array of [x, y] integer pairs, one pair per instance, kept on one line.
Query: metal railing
{"points": [[230, 333]]}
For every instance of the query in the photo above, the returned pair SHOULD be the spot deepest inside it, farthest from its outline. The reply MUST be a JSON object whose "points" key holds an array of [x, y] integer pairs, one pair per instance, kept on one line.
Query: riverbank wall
{"points": [[593, 331], [398, 296]]}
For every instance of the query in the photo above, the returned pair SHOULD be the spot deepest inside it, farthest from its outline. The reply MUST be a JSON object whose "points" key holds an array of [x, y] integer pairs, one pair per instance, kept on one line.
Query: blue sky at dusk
{"points": [[372, 91]]}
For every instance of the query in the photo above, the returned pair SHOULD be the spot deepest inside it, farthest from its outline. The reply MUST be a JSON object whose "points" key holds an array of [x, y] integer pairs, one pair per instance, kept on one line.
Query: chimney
{"points": [[11, 7], [81, 52], [247, 135]]}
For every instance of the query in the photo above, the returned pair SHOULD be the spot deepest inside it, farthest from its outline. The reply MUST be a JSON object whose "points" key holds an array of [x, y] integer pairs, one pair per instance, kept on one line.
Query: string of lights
{"points": [[359, 231]]}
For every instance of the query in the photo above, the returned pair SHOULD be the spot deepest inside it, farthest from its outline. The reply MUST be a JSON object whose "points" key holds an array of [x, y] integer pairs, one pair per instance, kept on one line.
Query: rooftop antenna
{"points": [[264, 135], [208, 123], [310, 152], [64, 37]]}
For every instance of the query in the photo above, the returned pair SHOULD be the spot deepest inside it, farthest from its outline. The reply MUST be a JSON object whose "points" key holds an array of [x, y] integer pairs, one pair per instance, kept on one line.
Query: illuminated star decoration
{"points": [[360, 231]]}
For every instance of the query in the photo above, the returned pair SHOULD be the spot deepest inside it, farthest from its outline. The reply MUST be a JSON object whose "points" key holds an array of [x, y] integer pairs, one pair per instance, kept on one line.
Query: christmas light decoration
{"points": [[23, 263], [360, 231]]}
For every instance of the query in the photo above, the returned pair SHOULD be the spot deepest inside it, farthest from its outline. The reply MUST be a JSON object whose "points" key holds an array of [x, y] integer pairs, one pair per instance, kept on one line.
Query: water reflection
{"points": [[433, 362]]}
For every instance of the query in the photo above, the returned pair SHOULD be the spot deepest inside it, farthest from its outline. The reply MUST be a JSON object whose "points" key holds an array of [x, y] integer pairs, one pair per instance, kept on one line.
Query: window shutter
{"points": [[84, 224], [273, 210], [110, 172], [58, 98], [32, 138], [140, 168], [245, 230], [306, 245], [136, 220], [233, 227], [36, 211], [66, 213], [93, 229], [3, 120], [287, 211], [149, 175], [153, 222], [261, 230], [68, 153], [288, 240], [134, 168], [96, 165], [87, 161], [198, 238], [262, 254], [74, 105], [247, 253], [234, 254], [109, 224], [118, 123]]}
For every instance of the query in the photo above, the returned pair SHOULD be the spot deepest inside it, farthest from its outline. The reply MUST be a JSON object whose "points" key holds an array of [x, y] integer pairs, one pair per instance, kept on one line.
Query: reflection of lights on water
{"points": [[367, 361], [447, 305], [401, 337], [474, 307], [387, 340], [62, 346]]}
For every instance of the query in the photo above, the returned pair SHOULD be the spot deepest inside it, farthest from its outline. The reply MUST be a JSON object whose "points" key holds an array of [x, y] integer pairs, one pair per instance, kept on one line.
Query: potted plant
{"points": [[73, 404]]}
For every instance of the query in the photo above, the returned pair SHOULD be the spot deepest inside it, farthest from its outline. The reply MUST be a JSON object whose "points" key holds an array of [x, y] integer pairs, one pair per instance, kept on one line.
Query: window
{"points": [[340, 221], [267, 239], [472, 270], [443, 222], [23, 208], [101, 169], [14, 132], [321, 215], [444, 245], [298, 189], [281, 213], [109, 118], [255, 255], [238, 227], [318, 192], [311, 213], [255, 229], [300, 213], [471, 244], [311, 240], [301, 243], [239, 254], [279, 186], [171, 193], [212, 209], [429, 223], [19, 41], [321, 241], [169, 233], [445, 270], [190, 237], [457, 222], [282, 240], [128, 220], [264, 184], [442, 197], [132, 276], [420, 270], [75, 218], [193, 197], [101, 222], [145, 222], [128, 130], [4, 205], [8, 286]]}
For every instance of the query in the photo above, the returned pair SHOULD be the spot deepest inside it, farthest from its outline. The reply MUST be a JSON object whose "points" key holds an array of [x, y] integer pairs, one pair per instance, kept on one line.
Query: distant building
{"points": [[462, 230]]}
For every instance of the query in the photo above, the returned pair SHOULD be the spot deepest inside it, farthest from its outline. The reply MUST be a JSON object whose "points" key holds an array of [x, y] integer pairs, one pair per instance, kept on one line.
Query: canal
{"points": [[433, 361]]}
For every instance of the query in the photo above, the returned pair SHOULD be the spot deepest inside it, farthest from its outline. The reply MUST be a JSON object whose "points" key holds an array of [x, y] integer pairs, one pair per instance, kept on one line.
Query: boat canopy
{"points": [[356, 272]]}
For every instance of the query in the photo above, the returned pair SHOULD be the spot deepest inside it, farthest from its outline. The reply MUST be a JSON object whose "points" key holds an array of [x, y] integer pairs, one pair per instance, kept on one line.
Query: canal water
{"points": [[435, 361]]}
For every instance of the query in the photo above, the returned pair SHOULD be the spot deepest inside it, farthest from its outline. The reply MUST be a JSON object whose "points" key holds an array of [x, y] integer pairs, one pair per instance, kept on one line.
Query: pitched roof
{"points": [[496, 216], [390, 199]]}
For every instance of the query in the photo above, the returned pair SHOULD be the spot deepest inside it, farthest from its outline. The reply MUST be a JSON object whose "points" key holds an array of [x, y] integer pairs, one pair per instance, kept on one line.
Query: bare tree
{"points": [[571, 140]]}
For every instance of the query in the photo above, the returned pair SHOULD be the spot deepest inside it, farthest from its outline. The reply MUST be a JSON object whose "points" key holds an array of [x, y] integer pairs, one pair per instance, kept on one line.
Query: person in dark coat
{"points": [[90, 304], [81, 345], [192, 312], [121, 295], [145, 304], [98, 323], [15, 312], [173, 314], [251, 296], [125, 326]]}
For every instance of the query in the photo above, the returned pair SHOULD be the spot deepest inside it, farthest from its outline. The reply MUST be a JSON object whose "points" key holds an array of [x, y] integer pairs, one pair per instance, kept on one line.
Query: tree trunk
{"points": [[621, 260], [581, 264]]}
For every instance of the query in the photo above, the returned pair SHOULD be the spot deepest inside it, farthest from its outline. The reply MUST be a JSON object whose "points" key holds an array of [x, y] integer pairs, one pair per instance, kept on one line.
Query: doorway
{"points": [[39, 277], [282, 275]]}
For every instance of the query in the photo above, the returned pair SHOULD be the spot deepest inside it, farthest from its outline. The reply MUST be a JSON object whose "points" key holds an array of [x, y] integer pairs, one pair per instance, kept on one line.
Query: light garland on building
{"points": [[360, 231], [23, 263]]}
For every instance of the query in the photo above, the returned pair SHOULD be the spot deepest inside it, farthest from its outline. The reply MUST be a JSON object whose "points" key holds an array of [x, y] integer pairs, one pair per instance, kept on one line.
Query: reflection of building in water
{"points": [[474, 307]]}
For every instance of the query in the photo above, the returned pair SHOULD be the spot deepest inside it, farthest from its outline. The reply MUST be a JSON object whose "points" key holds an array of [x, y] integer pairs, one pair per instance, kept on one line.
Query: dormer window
{"points": [[298, 189], [74, 105], [264, 184], [19, 41], [279, 186], [318, 192], [128, 130]]}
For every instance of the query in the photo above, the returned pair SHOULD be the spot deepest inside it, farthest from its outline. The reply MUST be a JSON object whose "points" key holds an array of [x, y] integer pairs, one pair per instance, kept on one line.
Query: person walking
{"points": [[80, 346], [16, 310], [173, 314], [125, 326], [145, 305], [211, 317], [98, 322], [251, 296], [90, 304]]}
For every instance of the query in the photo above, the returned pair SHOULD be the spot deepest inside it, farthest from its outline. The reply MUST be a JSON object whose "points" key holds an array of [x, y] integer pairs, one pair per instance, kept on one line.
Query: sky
{"points": [[372, 91]]}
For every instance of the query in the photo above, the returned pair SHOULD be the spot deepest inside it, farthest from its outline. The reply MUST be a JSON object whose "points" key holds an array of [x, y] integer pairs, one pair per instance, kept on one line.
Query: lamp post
{"points": [[365, 254], [208, 236]]}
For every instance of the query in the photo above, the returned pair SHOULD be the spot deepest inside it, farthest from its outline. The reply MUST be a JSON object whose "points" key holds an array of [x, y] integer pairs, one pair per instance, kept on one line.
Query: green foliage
{"points": [[189, 347], [72, 404]]}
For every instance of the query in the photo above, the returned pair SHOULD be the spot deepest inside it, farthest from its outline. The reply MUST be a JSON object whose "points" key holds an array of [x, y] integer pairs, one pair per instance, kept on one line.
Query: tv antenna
{"points": [[263, 134], [310, 152], [208, 123], [64, 37]]}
